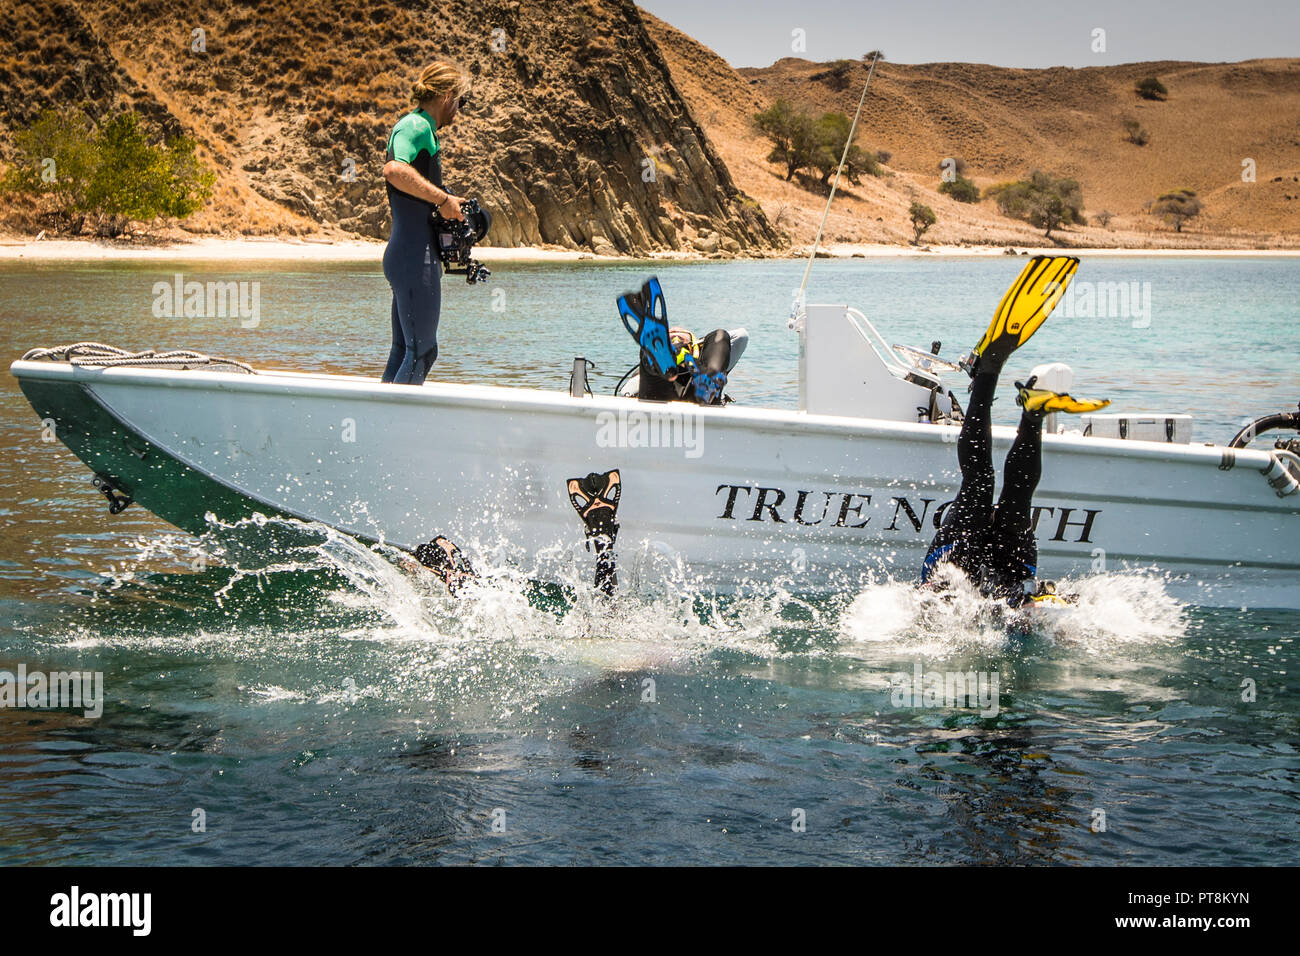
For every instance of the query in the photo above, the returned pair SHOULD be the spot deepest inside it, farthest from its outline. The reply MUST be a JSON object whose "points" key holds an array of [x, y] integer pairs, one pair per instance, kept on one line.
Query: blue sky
{"points": [[1006, 32]]}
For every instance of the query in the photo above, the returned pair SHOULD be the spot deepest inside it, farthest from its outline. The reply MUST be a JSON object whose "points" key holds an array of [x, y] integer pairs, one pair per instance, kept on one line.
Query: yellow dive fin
{"points": [[1041, 400], [1026, 306]]}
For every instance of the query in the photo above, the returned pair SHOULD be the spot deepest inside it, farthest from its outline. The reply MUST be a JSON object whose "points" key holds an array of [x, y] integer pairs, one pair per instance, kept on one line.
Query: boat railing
{"points": [[884, 351]]}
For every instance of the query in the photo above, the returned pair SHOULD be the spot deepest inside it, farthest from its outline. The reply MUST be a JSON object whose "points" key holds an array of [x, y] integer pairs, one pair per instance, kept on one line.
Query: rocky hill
{"points": [[577, 133], [596, 126], [1006, 122]]}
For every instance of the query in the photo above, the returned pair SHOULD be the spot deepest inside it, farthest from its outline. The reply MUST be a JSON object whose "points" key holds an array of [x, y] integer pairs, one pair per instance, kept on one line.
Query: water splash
{"points": [[382, 629], [1131, 607]]}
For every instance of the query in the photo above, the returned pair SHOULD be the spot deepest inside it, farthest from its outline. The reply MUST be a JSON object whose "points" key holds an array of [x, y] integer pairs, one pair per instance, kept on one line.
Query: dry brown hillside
{"points": [[1005, 123], [576, 103], [572, 103]]}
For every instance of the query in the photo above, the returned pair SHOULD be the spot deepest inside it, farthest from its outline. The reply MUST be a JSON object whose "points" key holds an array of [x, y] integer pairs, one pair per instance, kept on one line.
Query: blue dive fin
{"points": [[645, 316]]}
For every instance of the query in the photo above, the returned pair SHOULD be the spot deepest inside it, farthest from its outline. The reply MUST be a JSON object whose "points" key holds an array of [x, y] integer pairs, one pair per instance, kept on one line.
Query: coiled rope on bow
{"points": [[98, 355]]}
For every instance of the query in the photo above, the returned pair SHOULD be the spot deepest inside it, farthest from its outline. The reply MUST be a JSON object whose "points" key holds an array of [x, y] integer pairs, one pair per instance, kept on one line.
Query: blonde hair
{"points": [[437, 79]]}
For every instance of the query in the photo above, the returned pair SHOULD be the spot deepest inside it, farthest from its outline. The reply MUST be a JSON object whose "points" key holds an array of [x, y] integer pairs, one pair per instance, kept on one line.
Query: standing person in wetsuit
{"points": [[995, 546], [413, 170]]}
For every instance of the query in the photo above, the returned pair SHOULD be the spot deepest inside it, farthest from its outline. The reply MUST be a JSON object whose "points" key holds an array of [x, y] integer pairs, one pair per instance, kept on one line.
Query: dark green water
{"points": [[320, 705]]}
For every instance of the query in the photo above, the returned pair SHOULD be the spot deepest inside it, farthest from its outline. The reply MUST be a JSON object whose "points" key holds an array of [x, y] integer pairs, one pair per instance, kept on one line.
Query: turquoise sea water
{"points": [[320, 705]]}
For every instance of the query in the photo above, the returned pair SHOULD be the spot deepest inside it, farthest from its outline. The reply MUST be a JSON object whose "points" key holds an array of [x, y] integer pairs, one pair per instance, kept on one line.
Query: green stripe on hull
{"points": [[154, 479]]}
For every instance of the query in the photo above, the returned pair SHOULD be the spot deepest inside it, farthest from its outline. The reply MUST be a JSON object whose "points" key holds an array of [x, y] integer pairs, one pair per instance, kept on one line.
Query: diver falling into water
{"points": [[994, 545], [447, 561], [595, 498]]}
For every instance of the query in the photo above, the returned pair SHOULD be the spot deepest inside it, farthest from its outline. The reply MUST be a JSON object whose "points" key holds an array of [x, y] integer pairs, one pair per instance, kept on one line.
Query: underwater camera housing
{"points": [[455, 240]]}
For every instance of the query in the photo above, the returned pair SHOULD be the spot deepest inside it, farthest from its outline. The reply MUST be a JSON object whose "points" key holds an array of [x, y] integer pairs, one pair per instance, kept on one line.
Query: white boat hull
{"points": [[741, 495]]}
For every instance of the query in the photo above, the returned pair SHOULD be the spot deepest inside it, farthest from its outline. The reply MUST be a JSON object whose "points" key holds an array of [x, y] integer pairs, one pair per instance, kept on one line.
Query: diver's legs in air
{"points": [[595, 498], [1010, 542], [1010, 537], [966, 518], [968, 537], [606, 567], [1020, 474]]}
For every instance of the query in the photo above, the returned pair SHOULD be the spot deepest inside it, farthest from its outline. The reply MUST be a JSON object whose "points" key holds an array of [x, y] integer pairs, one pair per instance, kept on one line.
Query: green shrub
{"points": [[1042, 201], [1150, 88], [112, 175], [961, 189], [1135, 133]]}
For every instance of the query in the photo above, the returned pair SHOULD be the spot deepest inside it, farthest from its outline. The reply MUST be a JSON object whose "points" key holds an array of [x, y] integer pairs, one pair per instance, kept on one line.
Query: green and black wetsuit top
{"points": [[414, 140]]}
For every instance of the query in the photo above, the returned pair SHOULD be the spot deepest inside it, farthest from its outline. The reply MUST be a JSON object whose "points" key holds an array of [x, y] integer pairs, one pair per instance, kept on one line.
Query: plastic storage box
{"points": [[1161, 428]]}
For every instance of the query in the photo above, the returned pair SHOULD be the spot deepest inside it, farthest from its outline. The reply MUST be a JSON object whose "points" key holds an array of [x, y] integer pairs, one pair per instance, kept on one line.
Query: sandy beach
{"points": [[343, 250], [360, 250]]}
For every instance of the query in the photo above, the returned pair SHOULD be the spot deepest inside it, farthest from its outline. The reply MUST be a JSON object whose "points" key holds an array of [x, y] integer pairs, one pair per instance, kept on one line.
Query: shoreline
{"points": [[361, 250]]}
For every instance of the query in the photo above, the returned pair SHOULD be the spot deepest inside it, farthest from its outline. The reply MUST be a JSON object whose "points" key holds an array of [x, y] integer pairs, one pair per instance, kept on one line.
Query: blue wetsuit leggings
{"points": [[415, 275]]}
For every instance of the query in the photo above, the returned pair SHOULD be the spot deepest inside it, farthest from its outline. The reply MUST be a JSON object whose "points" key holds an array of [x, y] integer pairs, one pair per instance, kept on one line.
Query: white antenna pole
{"points": [[843, 157]]}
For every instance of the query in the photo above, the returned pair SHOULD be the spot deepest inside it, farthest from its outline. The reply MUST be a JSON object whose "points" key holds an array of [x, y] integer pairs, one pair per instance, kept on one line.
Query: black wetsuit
{"points": [[994, 546], [411, 263]]}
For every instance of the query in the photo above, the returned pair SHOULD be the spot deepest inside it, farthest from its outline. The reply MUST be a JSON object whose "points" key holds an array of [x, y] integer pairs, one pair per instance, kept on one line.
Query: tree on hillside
{"points": [[800, 141], [791, 134], [113, 175], [1150, 88], [56, 158], [1042, 200], [922, 219], [1178, 207], [830, 133], [135, 181], [1104, 217]]}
